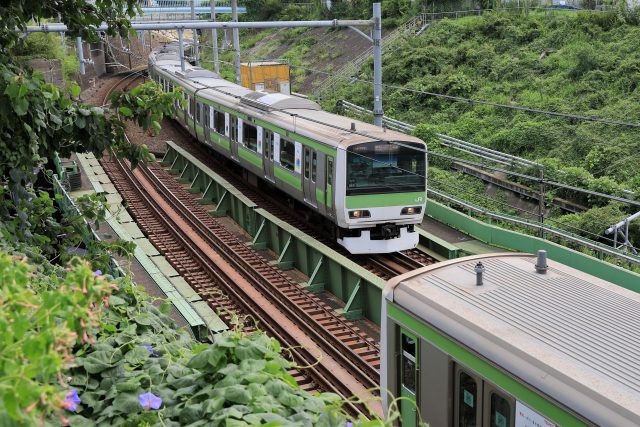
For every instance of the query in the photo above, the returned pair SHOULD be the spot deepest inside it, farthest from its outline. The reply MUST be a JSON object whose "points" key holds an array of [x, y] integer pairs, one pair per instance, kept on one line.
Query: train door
{"points": [[479, 403], [209, 126], [408, 378], [328, 194], [268, 155], [467, 404], [310, 174], [498, 408]]}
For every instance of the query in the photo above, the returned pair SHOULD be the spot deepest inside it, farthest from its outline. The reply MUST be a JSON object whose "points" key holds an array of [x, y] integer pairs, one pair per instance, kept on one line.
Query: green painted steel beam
{"points": [[349, 310], [515, 241]]}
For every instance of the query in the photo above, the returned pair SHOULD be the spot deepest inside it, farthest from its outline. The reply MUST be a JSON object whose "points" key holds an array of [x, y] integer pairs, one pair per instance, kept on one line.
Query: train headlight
{"points": [[413, 210], [359, 214]]}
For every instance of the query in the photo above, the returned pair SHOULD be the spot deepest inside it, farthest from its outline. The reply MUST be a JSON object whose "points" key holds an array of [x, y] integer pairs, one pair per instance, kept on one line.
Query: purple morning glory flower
{"points": [[349, 424], [71, 401], [97, 273], [151, 350], [149, 400]]}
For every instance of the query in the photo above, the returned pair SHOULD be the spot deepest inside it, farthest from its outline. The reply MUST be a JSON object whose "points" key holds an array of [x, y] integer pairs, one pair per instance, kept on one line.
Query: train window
{"points": [[330, 171], [307, 160], [234, 128], [205, 115], [211, 113], [377, 167], [467, 400], [198, 112], [314, 166], [189, 111], [409, 363], [218, 120], [250, 135], [500, 414], [287, 153]]}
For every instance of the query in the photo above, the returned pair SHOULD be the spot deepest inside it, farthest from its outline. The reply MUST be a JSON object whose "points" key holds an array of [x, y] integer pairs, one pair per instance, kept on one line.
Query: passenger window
{"points": [[467, 401], [409, 363], [287, 153], [330, 171], [306, 163], [500, 411], [218, 120], [250, 136], [314, 166], [198, 112]]}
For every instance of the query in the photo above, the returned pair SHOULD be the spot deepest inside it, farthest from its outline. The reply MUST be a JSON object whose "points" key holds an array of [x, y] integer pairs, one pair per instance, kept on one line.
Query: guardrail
{"points": [[514, 240], [67, 204]]}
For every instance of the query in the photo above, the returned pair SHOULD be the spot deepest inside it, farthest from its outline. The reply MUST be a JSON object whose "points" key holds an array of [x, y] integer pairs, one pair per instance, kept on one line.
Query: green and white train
{"points": [[515, 341], [368, 181]]}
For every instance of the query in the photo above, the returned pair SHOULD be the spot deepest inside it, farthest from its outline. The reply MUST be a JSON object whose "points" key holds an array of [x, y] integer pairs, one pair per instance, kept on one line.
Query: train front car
{"points": [[381, 193]]}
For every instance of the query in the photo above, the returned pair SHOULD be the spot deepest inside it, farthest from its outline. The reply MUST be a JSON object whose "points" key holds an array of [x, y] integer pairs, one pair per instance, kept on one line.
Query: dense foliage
{"points": [[575, 63], [82, 348]]}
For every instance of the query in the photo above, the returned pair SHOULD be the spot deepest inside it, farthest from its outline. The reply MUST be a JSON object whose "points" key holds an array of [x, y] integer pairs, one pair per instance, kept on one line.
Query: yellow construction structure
{"points": [[266, 75]]}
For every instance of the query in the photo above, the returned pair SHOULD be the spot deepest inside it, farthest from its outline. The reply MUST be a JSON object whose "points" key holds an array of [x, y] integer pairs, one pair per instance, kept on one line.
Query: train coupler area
{"points": [[381, 239]]}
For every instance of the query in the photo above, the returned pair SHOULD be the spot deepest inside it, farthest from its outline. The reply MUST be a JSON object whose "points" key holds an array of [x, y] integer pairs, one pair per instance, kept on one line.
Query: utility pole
{"points": [[80, 55], [236, 40], [214, 38], [195, 32], [181, 48], [541, 203], [377, 64]]}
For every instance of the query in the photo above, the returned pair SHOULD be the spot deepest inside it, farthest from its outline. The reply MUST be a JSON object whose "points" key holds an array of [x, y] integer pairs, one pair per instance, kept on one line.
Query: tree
{"points": [[38, 119]]}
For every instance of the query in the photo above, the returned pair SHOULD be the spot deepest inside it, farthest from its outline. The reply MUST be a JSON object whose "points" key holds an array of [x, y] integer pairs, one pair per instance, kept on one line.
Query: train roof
{"points": [[571, 335], [296, 114]]}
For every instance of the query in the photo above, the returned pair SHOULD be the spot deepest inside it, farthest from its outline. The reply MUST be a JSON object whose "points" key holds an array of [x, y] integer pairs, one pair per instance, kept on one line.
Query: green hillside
{"points": [[574, 63]]}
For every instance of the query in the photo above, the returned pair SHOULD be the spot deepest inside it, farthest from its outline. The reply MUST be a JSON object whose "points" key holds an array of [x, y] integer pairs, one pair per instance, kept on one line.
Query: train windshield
{"points": [[383, 167]]}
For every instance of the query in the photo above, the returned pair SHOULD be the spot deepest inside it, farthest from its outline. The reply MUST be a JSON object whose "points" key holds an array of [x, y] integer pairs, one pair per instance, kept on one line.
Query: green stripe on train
{"points": [[319, 196], [287, 177], [460, 354], [383, 200], [250, 156]]}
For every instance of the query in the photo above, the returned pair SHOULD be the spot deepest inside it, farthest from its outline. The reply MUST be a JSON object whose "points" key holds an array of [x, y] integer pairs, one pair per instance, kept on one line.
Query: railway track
{"points": [[238, 282]]}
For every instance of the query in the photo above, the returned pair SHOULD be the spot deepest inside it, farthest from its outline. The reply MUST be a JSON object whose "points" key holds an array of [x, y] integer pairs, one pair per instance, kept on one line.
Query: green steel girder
{"points": [[355, 300], [316, 279], [286, 260]]}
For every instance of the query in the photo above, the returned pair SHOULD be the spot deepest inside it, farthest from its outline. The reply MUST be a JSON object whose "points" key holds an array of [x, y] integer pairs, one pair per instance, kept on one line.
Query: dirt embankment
{"points": [[312, 53]]}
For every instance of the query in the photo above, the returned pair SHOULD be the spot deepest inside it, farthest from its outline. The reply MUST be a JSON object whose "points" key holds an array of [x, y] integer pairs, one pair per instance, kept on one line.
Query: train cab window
{"points": [[218, 120], [467, 400], [250, 136], [314, 166], [377, 167], [409, 363], [500, 411], [287, 153]]}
